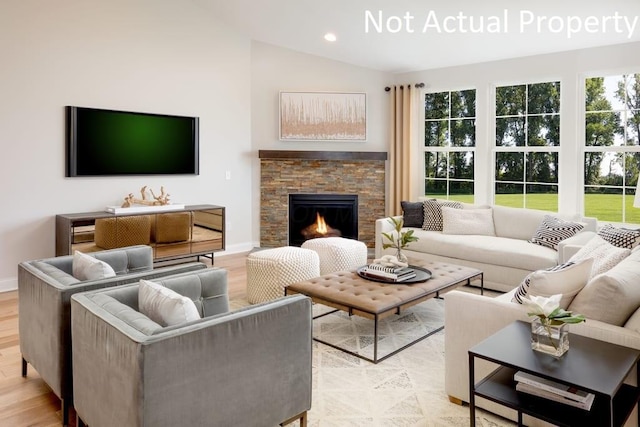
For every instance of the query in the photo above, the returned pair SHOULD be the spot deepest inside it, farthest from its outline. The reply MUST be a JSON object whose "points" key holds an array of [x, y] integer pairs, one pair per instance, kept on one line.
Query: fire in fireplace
{"points": [[322, 215]]}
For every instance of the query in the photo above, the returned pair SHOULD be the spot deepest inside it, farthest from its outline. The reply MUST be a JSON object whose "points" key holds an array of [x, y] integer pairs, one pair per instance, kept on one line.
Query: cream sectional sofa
{"points": [[613, 295], [506, 258]]}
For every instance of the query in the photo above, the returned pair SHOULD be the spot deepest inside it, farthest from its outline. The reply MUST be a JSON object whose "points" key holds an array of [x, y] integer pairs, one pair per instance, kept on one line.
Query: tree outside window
{"points": [[612, 147], [527, 145], [450, 140]]}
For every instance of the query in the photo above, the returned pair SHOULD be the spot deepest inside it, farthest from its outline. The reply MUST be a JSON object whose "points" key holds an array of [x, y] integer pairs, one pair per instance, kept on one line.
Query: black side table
{"points": [[591, 365]]}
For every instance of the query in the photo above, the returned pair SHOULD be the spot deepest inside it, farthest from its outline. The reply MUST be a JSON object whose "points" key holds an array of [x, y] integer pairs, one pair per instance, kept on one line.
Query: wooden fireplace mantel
{"points": [[323, 155]]}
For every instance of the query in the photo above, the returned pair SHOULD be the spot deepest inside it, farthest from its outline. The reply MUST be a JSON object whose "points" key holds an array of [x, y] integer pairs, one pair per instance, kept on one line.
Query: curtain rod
{"points": [[417, 85]]}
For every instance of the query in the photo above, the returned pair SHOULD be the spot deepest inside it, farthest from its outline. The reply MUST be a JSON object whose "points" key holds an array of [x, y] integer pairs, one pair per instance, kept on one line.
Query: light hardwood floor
{"points": [[29, 401]]}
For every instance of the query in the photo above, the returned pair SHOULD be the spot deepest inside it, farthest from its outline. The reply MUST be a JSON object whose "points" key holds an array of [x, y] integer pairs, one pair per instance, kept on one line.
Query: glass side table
{"points": [[594, 366]]}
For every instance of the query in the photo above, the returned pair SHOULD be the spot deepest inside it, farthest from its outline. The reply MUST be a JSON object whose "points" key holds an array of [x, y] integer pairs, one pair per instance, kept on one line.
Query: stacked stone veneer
{"points": [[281, 177]]}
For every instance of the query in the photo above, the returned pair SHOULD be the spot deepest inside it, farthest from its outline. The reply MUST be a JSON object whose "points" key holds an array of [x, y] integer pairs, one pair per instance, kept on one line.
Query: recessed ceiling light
{"points": [[330, 37]]}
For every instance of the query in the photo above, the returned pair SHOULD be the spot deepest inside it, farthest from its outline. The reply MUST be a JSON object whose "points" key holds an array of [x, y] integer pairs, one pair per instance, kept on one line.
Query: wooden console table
{"points": [[196, 230]]}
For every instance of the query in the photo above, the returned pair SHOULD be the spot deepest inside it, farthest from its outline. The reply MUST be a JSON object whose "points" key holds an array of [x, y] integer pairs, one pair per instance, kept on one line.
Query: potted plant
{"points": [[398, 239]]}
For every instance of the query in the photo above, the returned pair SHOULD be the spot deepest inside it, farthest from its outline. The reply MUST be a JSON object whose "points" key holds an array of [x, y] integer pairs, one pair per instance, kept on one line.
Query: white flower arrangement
{"points": [[549, 312]]}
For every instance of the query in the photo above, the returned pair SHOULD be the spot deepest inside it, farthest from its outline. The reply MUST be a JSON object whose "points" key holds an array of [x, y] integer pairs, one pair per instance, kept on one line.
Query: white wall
{"points": [[159, 56], [570, 68], [275, 69]]}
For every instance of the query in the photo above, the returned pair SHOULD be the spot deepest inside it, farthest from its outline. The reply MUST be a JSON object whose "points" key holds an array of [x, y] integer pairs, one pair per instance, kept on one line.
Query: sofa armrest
{"points": [[383, 225], [465, 328], [569, 247], [254, 363]]}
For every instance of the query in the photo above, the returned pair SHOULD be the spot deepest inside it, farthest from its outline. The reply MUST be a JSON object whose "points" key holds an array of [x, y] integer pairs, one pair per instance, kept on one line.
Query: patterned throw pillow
{"points": [[433, 213], [567, 279], [620, 237], [605, 255], [412, 214], [552, 231]]}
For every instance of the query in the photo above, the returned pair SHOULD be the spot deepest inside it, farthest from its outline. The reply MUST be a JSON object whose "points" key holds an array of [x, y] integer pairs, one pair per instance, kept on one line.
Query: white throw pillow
{"points": [[165, 306], [605, 255], [567, 279], [467, 221], [85, 267]]}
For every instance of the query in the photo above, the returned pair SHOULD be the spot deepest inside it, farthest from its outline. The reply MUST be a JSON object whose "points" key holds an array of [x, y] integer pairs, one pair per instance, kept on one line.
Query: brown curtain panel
{"points": [[401, 115]]}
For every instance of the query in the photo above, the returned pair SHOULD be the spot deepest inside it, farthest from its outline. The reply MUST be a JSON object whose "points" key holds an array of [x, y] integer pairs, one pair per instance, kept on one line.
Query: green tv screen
{"points": [[108, 142]]}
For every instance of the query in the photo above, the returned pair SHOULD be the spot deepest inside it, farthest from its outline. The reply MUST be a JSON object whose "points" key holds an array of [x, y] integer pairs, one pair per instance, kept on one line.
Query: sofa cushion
{"points": [[128, 315], [553, 230], [485, 249], [165, 306], [433, 213], [566, 279], [620, 237], [516, 223], [86, 267], [605, 255], [467, 221], [613, 296], [412, 213]]}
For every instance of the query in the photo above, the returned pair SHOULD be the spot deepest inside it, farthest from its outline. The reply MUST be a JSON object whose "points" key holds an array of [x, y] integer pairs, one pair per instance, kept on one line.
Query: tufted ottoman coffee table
{"points": [[347, 291]]}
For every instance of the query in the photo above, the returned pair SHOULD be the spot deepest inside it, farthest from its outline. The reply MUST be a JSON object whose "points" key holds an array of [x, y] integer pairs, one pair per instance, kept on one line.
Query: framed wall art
{"points": [[323, 116]]}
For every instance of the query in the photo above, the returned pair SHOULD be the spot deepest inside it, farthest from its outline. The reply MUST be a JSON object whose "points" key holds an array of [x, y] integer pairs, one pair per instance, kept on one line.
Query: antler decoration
{"points": [[161, 200]]}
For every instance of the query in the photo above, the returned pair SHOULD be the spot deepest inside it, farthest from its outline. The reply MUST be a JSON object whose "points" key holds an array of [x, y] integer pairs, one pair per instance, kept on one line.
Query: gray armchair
{"points": [[45, 287], [250, 367]]}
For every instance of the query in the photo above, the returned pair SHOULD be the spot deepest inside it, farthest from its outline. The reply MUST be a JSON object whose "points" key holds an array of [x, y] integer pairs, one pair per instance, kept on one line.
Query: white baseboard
{"points": [[236, 249], [7, 285]]}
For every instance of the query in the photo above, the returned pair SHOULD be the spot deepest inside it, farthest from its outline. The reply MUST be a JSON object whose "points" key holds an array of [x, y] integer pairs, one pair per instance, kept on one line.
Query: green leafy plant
{"points": [[398, 239]]}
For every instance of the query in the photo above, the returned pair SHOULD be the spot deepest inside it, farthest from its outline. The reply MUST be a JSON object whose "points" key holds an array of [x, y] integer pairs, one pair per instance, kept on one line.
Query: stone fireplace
{"points": [[335, 173]]}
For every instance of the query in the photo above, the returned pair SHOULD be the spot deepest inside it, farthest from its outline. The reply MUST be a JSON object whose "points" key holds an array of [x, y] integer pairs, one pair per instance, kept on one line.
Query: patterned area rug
{"points": [[405, 390]]}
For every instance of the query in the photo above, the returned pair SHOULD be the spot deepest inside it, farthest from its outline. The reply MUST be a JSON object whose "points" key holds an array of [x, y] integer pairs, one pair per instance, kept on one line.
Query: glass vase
{"points": [[549, 339], [401, 256]]}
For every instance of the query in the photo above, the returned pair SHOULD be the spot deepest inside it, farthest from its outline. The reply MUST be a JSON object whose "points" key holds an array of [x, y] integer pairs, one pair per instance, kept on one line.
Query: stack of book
{"points": [[552, 390], [395, 274]]}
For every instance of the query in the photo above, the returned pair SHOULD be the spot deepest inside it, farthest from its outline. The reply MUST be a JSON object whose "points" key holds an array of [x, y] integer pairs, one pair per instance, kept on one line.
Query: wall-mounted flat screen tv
{"points": [[109, 143]]}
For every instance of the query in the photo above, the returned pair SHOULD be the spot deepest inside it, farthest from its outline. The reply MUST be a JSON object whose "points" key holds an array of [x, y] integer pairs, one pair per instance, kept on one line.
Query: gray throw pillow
{"points": [[412, 214]]}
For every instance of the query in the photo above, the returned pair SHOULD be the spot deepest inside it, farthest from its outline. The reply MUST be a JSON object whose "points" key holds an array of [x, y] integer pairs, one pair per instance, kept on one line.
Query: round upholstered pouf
{"points": [[338, 253], [270, 270]]}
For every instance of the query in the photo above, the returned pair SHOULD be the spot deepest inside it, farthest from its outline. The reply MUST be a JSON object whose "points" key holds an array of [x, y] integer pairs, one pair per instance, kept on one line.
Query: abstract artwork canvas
{"points": [[323, 116]]}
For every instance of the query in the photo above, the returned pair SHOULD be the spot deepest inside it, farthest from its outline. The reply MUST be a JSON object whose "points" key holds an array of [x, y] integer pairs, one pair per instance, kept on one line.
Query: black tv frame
{"points": [[71, 143]]}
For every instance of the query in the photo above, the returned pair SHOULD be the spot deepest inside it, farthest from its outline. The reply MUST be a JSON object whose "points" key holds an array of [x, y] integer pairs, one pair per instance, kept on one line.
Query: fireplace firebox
{"points": [[322, 215]]}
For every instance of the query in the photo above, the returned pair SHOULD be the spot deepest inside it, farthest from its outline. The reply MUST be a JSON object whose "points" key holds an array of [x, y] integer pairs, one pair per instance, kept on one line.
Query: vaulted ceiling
{"points": [[408, 35]]}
